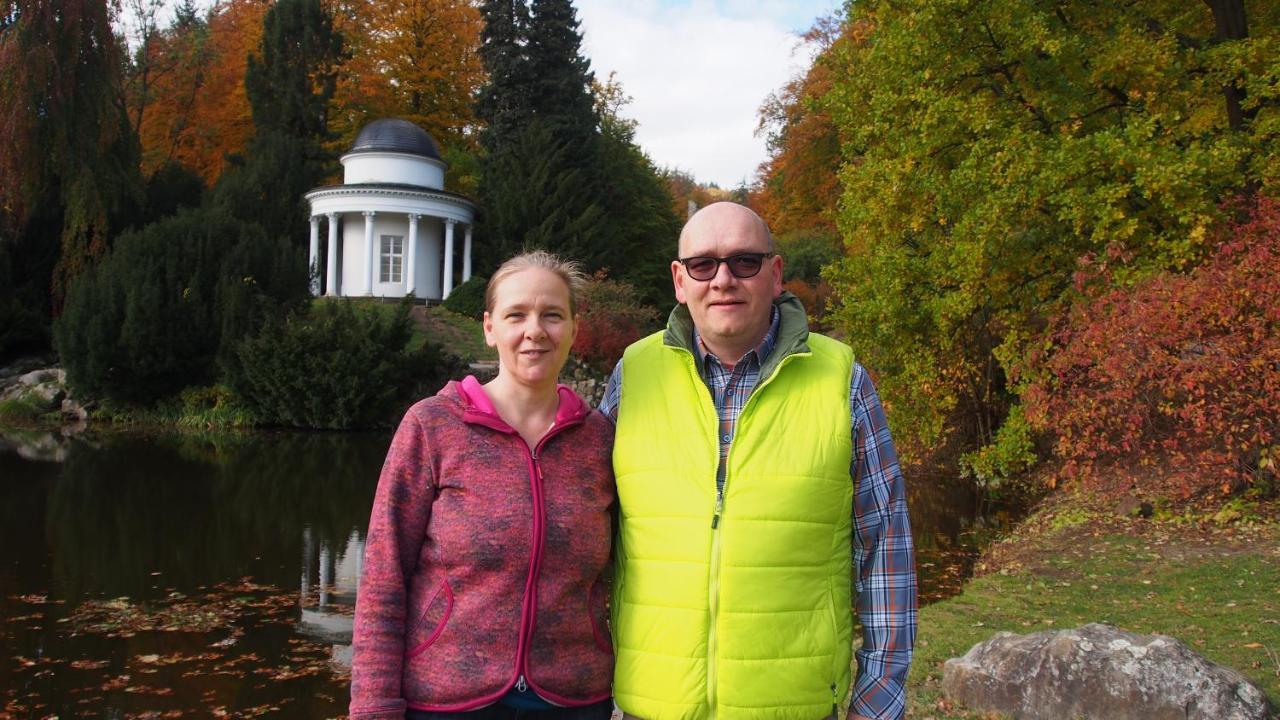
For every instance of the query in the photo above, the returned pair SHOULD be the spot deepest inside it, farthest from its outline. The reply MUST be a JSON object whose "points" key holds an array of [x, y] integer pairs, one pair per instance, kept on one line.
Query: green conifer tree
{"points": [[553, 176], [289, 83]]}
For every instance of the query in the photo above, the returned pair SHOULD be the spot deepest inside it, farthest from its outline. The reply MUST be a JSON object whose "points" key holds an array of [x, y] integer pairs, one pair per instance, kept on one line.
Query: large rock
{"points": [[41, 390], [1098, 671]]}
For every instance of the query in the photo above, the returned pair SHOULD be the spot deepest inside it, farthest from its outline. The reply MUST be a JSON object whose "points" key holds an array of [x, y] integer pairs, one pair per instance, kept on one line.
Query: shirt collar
{"points": [[761, 350]]}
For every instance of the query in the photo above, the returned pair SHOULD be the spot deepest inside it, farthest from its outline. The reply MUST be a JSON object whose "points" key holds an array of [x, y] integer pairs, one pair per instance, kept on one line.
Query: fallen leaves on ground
{"points": [[179, 648]]}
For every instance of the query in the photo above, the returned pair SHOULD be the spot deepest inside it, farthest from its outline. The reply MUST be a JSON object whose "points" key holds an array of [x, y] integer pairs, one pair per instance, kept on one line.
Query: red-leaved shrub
{"points": [[1179, 373], [610, 317]]}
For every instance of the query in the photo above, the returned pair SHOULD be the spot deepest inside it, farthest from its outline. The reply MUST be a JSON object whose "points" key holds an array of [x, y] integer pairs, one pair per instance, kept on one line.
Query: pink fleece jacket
{"points": [[484, 561]]}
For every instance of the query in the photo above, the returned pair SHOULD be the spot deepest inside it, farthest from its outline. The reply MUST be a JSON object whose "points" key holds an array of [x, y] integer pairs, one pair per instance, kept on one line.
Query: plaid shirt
{"points": [[883, 555]]}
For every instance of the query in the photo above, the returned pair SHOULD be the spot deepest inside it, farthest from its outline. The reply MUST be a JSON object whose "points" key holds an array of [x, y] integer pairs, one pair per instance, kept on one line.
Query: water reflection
{"points": [[141, 526], [265, 533], [327, 594]]}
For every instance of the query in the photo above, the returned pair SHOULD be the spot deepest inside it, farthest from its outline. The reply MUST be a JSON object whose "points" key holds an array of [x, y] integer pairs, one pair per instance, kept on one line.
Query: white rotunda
{"points": [[392, 227]]}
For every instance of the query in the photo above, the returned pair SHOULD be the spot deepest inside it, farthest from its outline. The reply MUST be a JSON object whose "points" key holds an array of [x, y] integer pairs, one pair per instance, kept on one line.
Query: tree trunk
{"points": [[1231, 24]]}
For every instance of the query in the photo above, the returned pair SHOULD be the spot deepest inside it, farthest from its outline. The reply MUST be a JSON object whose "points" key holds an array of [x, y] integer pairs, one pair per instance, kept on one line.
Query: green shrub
{"points": [[24, 328], [334, 365], [998, 467], [468, 298], [21, 407], [155, 314]]}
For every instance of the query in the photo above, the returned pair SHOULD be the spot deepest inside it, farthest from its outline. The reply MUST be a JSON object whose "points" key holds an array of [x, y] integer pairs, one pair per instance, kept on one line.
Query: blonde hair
{"points": [[567, 270]]}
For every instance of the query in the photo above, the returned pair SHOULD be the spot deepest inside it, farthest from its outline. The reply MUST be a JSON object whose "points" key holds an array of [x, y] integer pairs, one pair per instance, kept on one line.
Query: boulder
{"points": [[1099, 671], [44, 375]]}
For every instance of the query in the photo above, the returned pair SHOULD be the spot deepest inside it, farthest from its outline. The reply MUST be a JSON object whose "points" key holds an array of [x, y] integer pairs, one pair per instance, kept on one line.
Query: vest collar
{"points": [[793, 332]]}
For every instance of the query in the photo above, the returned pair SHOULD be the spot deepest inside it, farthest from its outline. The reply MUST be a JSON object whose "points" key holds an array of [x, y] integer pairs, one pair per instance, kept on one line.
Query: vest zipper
{"points": [[713, 604], [713, 585]]}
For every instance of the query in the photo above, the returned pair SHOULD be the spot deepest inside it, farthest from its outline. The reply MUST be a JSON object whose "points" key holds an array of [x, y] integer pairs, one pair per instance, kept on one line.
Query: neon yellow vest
{"points": [[751, 619]]}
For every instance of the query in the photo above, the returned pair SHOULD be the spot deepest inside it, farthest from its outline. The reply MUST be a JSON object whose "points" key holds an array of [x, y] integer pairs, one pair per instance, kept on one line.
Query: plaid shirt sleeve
{"points": [[883, 560], [612, 394]]}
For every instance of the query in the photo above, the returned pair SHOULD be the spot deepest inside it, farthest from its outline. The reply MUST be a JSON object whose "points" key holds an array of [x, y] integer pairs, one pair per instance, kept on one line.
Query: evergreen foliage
{"points": [[561, 173], [334, 365], [468, 298], [69, 150], [28, 254], [23, 327], [561, 89], [152, 316], [289, 84], [504, 102], [171, 188]]}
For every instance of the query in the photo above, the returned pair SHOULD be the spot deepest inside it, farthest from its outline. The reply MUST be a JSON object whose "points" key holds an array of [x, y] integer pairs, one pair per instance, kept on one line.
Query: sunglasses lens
{"points": [[745, 266], [701, 268]]}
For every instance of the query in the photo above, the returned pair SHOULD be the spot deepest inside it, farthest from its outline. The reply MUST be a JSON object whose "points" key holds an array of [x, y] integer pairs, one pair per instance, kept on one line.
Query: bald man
{"points": [[755, 474]]}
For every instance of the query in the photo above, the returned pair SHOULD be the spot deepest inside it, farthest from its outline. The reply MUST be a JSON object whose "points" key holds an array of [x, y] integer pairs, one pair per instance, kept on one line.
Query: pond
{"points": [[214, 576]]}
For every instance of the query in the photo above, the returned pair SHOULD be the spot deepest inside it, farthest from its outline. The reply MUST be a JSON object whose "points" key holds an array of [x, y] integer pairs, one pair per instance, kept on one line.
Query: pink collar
{"points": [[480, 409]]}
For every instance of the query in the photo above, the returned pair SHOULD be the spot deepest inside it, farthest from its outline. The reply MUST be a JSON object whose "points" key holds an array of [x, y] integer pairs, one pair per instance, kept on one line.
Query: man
{"points": [[755, 472]]}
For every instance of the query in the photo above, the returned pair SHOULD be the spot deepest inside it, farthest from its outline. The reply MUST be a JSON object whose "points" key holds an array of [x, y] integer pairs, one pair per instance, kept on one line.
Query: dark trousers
{"points": [[599, 711]]}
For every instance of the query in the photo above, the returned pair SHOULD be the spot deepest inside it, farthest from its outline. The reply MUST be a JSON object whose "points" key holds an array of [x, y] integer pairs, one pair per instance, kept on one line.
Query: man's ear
{"points": [[776, 261], [677, 280]]}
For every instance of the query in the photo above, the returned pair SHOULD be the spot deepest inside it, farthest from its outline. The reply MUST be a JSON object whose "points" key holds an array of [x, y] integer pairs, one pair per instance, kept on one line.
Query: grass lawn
{"points": [[456, 334], [1215, 587]]}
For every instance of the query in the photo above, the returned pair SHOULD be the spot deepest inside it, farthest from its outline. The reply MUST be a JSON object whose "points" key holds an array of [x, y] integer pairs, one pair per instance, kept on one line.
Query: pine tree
{"points": [[504, 102], [561, 78], [560, 172], [289, 84]]}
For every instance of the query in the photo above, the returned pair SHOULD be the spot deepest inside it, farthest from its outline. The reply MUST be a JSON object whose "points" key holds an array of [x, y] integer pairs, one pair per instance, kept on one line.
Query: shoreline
{"points": [[1206, 577]]}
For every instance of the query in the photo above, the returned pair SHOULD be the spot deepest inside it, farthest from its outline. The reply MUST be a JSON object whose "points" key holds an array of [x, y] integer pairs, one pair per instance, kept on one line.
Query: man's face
{"points": [[731, 313]]}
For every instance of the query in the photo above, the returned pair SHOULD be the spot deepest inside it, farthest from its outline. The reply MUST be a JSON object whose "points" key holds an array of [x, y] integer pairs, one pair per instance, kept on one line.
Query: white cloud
{"points": [[697, 72]]}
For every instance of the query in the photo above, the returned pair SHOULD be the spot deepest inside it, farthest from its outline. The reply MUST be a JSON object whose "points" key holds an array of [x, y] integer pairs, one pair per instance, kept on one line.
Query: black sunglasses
{"points": [[742, 265]]}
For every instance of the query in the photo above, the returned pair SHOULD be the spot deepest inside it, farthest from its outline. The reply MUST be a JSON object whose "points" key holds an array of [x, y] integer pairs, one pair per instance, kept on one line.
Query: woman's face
{"points": [[530, 325]]}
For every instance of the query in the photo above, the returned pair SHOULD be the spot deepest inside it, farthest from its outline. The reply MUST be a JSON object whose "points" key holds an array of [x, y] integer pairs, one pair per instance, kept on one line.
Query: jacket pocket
{"points": [[597, 610], [431, 622]]}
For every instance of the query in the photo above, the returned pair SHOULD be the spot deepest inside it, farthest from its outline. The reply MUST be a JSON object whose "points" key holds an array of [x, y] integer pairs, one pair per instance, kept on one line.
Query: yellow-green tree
{"points": [[987, 145]]}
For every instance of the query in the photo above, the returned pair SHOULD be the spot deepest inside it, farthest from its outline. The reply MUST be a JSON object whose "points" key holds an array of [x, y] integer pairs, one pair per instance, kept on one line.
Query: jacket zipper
{"points": [[529, 608]]}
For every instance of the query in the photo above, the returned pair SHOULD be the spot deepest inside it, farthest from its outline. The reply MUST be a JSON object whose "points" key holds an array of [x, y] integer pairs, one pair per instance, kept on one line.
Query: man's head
{"points": [[731, 312]]}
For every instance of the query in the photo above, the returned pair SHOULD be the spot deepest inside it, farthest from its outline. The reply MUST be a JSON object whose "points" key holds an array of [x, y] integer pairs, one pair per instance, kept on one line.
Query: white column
{"points": [[313, 260], [326, 573], [466, 254], [448, 258], [369, 253], [331, 275], [411, 257]]}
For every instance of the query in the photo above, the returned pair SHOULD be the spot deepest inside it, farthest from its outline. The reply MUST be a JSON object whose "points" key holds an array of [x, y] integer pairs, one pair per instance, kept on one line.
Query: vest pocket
{"points": [[432, 621], [597, 612]]}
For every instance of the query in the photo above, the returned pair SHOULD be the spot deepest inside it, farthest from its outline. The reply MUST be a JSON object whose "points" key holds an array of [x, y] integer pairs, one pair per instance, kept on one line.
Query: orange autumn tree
{"points": [[413, 59], [198, 112], [798, 189], [799, 185]]}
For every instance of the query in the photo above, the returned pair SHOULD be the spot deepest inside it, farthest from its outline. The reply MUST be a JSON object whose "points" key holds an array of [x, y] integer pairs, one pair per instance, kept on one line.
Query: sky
{"points": [[697, 72]]}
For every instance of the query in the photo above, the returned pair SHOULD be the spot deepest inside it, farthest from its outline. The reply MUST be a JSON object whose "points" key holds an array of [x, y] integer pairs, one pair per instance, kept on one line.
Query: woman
{"points": [[481, 593]]}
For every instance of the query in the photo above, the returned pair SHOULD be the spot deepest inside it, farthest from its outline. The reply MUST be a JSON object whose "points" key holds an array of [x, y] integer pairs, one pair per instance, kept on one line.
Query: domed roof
{"points": [[395, 135]]}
